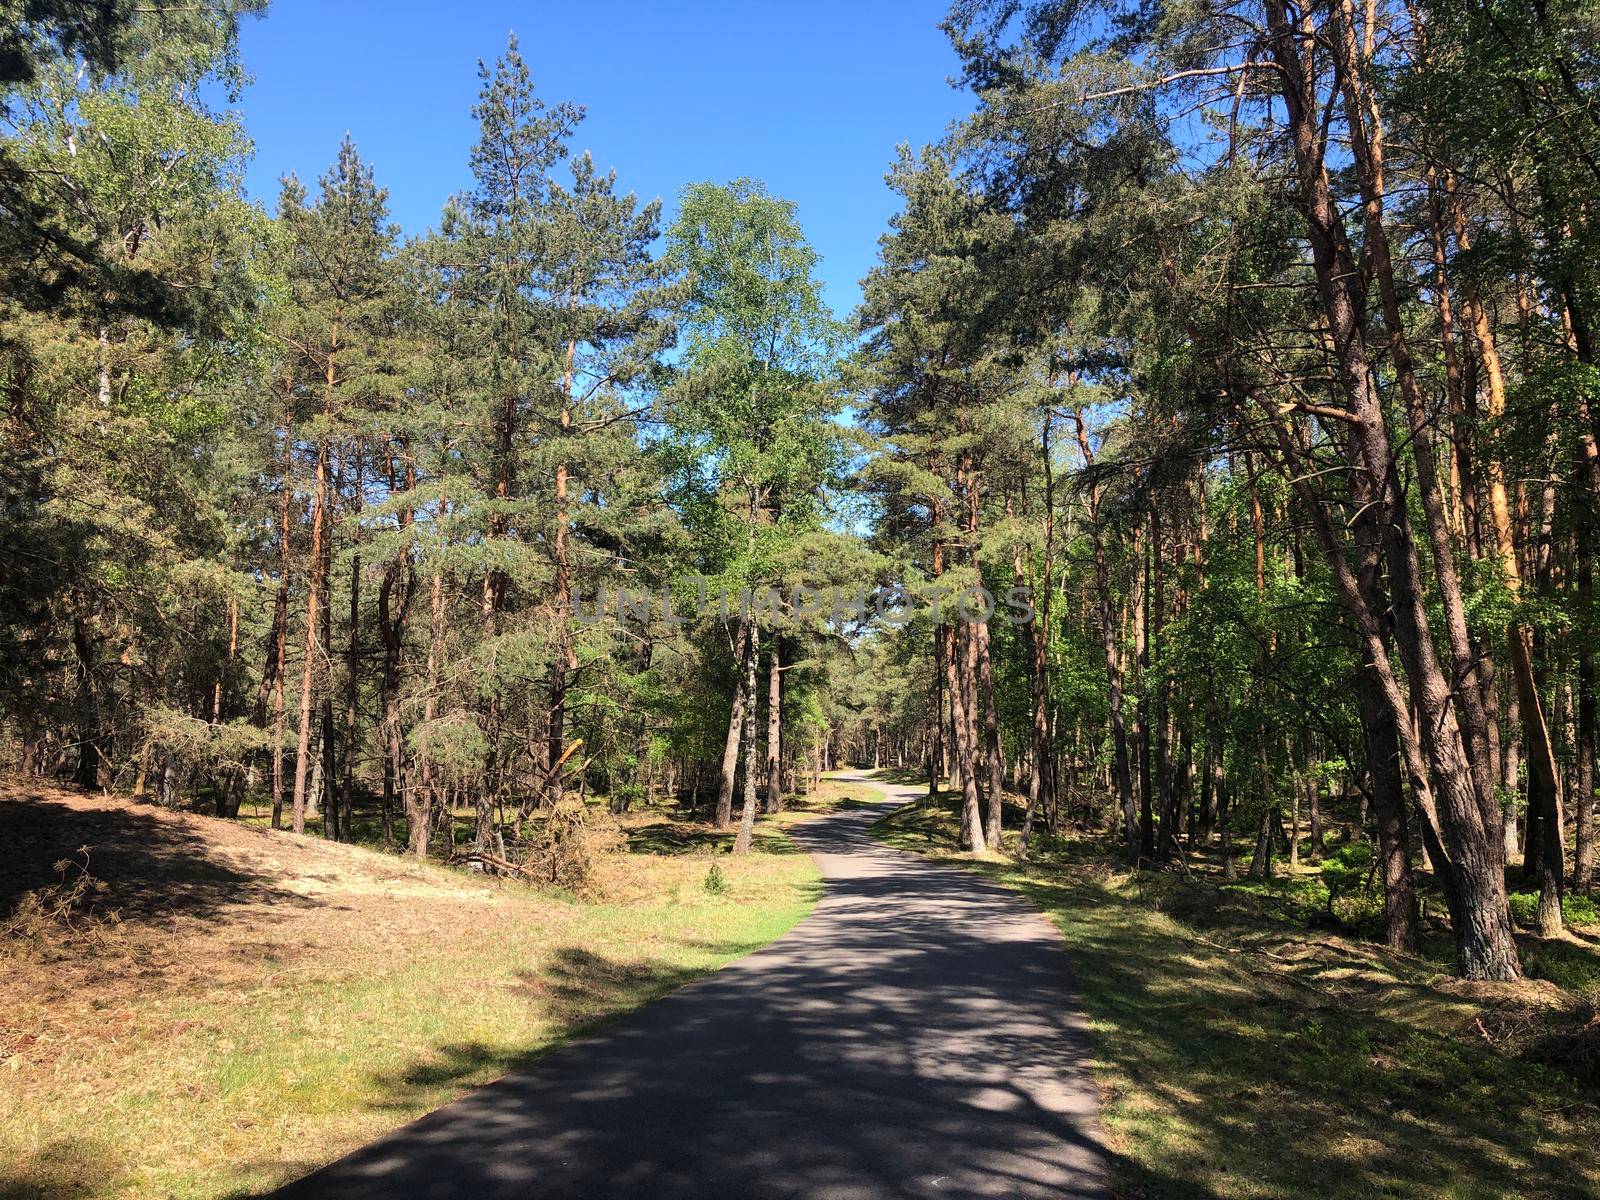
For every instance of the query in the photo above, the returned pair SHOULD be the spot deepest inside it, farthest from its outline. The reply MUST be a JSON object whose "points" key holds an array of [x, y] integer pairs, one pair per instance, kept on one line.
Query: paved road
{"points": [[911, 1038]]}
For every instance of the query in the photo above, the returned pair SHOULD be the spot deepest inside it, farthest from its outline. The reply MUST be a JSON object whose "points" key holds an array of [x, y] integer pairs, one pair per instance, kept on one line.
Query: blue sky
{"points": [[811, 97]]}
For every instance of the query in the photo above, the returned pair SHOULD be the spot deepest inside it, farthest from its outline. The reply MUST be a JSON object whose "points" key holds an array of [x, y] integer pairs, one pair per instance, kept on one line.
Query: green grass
{"points": [[1242, 1056], [248, 1052]]}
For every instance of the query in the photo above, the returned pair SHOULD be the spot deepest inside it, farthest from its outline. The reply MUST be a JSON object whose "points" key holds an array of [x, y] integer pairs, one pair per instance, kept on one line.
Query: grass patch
{"points": [[1244, 1056], [301, 999]]}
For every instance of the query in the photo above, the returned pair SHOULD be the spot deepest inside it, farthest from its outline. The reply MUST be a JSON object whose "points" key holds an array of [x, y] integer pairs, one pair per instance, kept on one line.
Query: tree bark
{"points": [[563, 654], [1583, 786], [991, 737], [1121, 772], [314, 594], [1543, 787], [747, 815], [86, 704], [421, 800], [1485, 948], [723, 817], [775, 726], [352, 666]]}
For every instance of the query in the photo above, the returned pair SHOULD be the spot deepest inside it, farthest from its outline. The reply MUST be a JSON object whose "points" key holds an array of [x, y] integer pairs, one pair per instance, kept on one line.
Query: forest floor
{"points": [[1247, 1050], [215, 1009]]}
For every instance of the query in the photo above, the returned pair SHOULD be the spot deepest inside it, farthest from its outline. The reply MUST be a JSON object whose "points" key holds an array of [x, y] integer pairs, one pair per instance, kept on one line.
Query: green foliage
{"points": [[1575, 910]]}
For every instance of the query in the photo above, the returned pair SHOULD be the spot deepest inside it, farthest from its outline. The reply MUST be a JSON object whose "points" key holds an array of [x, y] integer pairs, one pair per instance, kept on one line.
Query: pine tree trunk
{"points": [[991, 737], [1386, 771], [747, 815], [1041, 776], [314, 591], [967, 746], [936, 747], [775, 727], [1141, 702], [723, 816], [1583, 786], [331, 776], [1314, 813], [485, 839], [1225, 819], [1544, 800], [958, 719], [426, 797], [1485, 948], [1510, 779], [86, 704], [1121, 771], [563, 655], [1261, 862], [1367, 147], [282, 638], [352, 669], [272, 677], [395, 594]]}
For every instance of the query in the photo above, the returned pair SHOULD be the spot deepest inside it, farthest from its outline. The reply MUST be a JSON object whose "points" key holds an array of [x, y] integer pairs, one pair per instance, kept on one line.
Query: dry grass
{"points": [[253, 1004]]}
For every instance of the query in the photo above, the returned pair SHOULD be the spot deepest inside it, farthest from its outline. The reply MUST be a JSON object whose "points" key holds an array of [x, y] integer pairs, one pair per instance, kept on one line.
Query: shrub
{"points": [[716, 882], [1575, 910], [1348, 874], [59, 914], [571, 844]]}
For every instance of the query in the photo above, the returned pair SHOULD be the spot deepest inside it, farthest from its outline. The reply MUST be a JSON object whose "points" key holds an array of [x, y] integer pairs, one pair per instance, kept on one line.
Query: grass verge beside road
{"points": [[1244, 1057]]}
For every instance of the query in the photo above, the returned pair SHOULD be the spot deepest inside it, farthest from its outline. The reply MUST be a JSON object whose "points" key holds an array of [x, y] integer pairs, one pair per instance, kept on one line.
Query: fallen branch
{"points": [[499, 864]]}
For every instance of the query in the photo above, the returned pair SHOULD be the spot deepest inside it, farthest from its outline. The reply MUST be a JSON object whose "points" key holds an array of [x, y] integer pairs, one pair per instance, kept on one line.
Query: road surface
{"points": [[913, 1037]]}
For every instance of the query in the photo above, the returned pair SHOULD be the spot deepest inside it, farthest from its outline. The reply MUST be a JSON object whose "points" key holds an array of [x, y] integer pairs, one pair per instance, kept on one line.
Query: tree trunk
{"points": [[395, 594], [775, 727], [991, 737], [1141, 703], [426, 797], [1583, 786], [278, 642], [1543, 788], [747, 815], [352, 669], [314, 593], [1485, 948], [1266, 832], [723, 816], [1121, 772], [936, 746], [331, 776], [961, 660], [563, 654], [86, 704]]}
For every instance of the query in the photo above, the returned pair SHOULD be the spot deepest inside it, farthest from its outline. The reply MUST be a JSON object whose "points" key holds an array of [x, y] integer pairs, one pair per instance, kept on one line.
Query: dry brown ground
{"points": [[225, 1007]]}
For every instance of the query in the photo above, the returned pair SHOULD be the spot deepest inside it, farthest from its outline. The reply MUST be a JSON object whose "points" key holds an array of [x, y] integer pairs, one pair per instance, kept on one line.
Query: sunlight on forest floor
{"points": [[267, 1003], [1242, 1055]]}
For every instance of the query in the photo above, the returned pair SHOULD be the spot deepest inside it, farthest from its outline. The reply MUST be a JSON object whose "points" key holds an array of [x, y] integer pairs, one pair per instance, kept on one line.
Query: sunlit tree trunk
{"points": [[747, 815], [1485, 947], [742, 697], [315, 591], [775, 727]]}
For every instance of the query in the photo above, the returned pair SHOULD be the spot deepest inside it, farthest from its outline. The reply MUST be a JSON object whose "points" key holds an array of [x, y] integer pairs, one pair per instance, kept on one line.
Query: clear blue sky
{"points": [[812, 97]]}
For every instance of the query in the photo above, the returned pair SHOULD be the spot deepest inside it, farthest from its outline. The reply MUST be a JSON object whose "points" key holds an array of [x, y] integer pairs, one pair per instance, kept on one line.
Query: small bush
{"points": [[59, 914], [571, 844], [1581, 910], [1575, 910], [716, 882], [1348, 875]]}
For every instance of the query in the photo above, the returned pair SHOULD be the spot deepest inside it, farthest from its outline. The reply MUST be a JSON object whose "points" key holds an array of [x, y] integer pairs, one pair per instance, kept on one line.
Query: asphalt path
{"points": [[915, 1036]]}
